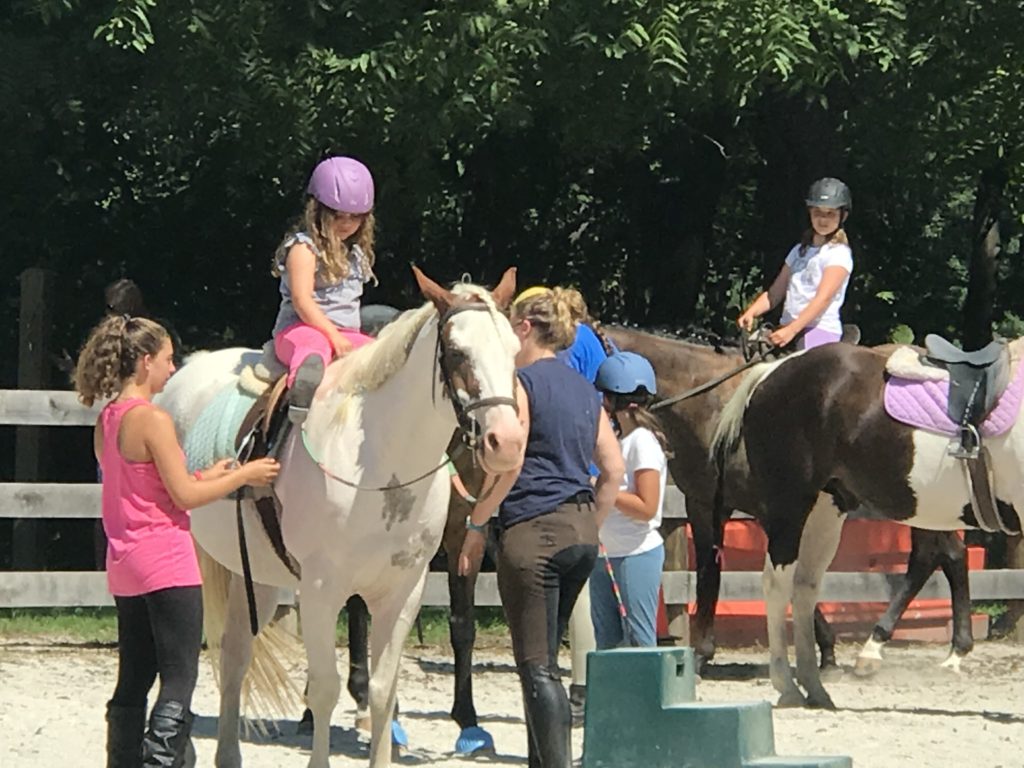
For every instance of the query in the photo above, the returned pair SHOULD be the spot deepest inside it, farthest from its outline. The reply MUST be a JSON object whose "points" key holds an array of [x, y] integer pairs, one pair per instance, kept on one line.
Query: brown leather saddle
{"points": [[263, 432]]}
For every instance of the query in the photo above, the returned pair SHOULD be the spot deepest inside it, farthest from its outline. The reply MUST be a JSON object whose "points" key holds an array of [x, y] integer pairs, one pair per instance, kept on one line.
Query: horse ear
{"points": [[441, 297], [506, 289]]}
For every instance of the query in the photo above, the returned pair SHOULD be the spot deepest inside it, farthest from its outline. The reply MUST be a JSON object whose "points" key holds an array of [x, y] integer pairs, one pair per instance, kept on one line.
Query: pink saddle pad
{"points": [[922, 404]]}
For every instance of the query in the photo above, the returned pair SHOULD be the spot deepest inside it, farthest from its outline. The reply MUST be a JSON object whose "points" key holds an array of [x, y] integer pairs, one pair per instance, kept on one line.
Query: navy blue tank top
{"points": [[564, 408]]}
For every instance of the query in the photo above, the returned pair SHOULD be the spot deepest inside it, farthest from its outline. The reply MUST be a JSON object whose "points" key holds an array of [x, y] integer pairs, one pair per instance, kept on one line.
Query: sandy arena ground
{"points": [[914, 714]]}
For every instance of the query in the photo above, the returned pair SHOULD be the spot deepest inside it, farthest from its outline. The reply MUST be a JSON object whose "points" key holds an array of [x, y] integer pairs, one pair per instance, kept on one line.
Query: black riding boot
{"points": [[125, 726], [548, 720], [307, 378], [166, 743]]}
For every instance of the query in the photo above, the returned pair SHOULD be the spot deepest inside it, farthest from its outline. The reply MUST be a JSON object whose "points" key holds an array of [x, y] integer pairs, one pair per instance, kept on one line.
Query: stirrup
{"points": [[968, 446]]}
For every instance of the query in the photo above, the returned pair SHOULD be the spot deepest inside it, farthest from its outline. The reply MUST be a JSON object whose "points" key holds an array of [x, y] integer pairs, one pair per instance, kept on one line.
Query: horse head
{"points": [[476, 358]]}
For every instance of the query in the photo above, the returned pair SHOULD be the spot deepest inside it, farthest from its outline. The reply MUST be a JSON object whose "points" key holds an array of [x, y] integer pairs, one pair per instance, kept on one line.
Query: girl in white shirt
{"points": [[814, 277], [630, 543]]}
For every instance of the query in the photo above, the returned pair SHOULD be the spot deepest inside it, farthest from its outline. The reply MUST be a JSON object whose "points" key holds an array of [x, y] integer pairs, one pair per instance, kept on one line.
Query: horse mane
{"points": [[698, 337], [371, 366]]}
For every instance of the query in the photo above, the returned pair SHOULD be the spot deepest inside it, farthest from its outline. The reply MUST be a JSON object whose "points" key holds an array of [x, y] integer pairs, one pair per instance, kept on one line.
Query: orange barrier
{"points": [[866, 545]]}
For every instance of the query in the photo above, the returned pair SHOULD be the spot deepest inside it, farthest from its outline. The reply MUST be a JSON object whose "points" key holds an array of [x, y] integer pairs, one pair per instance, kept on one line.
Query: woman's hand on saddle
{"points": [[472, 553], [260, 471], [783, 337]]}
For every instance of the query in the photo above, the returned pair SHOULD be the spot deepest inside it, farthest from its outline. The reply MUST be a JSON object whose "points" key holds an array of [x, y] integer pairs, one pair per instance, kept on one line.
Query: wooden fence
{"points": [[25, 589]]}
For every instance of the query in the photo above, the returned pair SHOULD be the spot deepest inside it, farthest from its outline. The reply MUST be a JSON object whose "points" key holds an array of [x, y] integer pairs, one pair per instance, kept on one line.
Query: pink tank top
{"points": [[149, 546]]}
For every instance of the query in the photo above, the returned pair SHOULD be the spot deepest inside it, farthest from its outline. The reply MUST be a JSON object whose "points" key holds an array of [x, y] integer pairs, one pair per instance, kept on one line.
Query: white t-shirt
{"points": [[803, 285], [622, 535]]}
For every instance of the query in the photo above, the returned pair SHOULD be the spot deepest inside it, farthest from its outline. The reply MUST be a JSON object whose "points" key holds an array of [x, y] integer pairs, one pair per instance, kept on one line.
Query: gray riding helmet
{"points": [[829, 193]]}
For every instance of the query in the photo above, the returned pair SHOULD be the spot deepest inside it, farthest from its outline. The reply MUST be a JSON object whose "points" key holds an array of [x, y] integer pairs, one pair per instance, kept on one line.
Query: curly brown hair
{"points": [[111, 352], [332, 252]]}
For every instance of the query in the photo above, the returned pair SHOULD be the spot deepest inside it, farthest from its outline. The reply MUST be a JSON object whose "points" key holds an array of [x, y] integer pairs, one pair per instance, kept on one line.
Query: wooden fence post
{"points": [[35, 329]]}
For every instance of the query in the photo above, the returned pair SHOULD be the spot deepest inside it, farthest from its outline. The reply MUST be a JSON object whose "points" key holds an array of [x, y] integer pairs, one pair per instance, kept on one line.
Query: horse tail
{"points": [[730, 421], [267, 689]]}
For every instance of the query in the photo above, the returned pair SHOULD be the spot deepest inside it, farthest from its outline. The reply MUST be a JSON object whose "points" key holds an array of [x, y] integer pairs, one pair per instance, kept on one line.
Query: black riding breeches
{"points": [[158, 633]]}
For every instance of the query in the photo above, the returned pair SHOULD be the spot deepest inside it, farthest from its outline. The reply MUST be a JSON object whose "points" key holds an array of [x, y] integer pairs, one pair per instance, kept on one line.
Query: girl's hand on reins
{"points": [[783, 336], [472, 553]]}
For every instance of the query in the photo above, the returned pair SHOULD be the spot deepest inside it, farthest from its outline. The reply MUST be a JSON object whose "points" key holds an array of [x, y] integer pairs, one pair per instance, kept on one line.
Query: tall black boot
{"points": [[547, 716], [125, 726], [166, 743]]}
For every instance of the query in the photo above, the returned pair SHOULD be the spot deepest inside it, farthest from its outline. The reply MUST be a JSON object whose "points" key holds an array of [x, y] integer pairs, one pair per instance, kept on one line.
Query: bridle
{"points": [[468, 427]]}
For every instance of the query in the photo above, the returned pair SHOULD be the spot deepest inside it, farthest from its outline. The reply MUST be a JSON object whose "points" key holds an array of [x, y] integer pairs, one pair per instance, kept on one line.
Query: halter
{"points": [[468, 427]]}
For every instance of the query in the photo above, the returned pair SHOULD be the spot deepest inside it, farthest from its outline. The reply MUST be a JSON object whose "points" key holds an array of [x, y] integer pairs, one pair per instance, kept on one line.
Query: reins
{"points": [[756, 349]]}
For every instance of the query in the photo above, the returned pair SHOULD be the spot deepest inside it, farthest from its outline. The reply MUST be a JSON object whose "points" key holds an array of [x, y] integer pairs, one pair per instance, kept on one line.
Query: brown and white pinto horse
{"points": [[815, 442], [690, 425]]}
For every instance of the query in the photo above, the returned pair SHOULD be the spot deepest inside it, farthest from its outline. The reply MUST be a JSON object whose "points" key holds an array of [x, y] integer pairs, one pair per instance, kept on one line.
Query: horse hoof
{"points": [[952, 663], [791, 699], [399, 738], [832, 672], [474, 740], [305, 726], [820, 701], [867, 667], [362, 723]]}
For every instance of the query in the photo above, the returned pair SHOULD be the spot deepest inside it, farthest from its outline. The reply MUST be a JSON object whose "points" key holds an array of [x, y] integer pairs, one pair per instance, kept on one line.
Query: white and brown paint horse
{"points": [[816, 442], [364, 491], [682, 366]]}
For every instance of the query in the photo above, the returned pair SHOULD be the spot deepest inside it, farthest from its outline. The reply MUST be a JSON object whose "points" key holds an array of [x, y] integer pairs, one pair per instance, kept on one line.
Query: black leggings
{"points": [[543, 564], [158, 633]]}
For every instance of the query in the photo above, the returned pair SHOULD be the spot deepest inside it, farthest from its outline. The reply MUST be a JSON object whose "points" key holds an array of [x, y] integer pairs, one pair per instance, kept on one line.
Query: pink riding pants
{"points": [[815, 337], [297, 342]]}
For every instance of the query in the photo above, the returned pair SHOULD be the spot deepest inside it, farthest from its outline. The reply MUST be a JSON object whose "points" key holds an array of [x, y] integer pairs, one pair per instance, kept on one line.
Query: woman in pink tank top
{"points": [[152, 569]]}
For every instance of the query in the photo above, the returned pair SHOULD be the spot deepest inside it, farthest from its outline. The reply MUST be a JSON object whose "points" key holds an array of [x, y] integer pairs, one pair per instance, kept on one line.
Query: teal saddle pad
{"points": [[212, 437]]}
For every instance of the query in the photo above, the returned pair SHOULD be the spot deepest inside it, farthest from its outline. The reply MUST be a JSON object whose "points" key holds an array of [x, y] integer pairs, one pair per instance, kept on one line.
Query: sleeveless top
{"points": [[149, 546], [564, 408], [339, 300]]}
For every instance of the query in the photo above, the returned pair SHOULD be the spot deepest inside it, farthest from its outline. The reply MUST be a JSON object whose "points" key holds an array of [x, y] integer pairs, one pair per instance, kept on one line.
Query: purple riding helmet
{"points": [[342, 184]]}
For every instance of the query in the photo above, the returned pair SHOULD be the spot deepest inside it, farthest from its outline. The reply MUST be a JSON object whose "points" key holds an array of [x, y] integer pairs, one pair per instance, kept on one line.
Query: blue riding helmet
{"points": [[624, 373]]}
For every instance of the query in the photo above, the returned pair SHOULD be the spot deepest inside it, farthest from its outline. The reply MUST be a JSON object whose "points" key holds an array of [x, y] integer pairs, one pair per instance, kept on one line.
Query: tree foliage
{"points": [[653, 153]]}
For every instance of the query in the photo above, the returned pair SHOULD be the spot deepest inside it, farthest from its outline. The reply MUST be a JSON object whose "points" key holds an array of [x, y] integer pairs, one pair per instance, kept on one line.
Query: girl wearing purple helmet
{"points": [[323, 263], [812, 283]]}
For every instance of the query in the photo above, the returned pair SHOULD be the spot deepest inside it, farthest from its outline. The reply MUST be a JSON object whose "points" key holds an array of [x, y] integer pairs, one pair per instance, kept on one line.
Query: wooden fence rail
{"points": [[36, 589]]}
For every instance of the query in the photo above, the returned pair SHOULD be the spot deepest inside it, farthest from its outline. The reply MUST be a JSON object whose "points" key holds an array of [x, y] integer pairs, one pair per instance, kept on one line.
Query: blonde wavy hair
{"points": [[576, 306], [554, 312], [332, 252], [111, 352]]}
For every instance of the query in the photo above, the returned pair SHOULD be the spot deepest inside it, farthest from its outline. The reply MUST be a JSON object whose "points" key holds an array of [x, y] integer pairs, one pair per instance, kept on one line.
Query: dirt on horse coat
{"points": [[816, 442]]}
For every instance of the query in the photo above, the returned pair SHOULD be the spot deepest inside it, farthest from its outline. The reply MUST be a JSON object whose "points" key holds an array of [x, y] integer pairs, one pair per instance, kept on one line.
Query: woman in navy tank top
{"points": [[549, 515]]}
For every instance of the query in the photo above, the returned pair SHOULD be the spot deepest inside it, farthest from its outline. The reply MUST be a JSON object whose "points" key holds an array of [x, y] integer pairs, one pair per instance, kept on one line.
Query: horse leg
{"points": [[358, 661], [924, 557], [391, 623], [462, 632], [818, 544], [320, 601], [778, 589], [581, 642], [826, 640], [954, 566], [707, 543], [235, 656]]}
